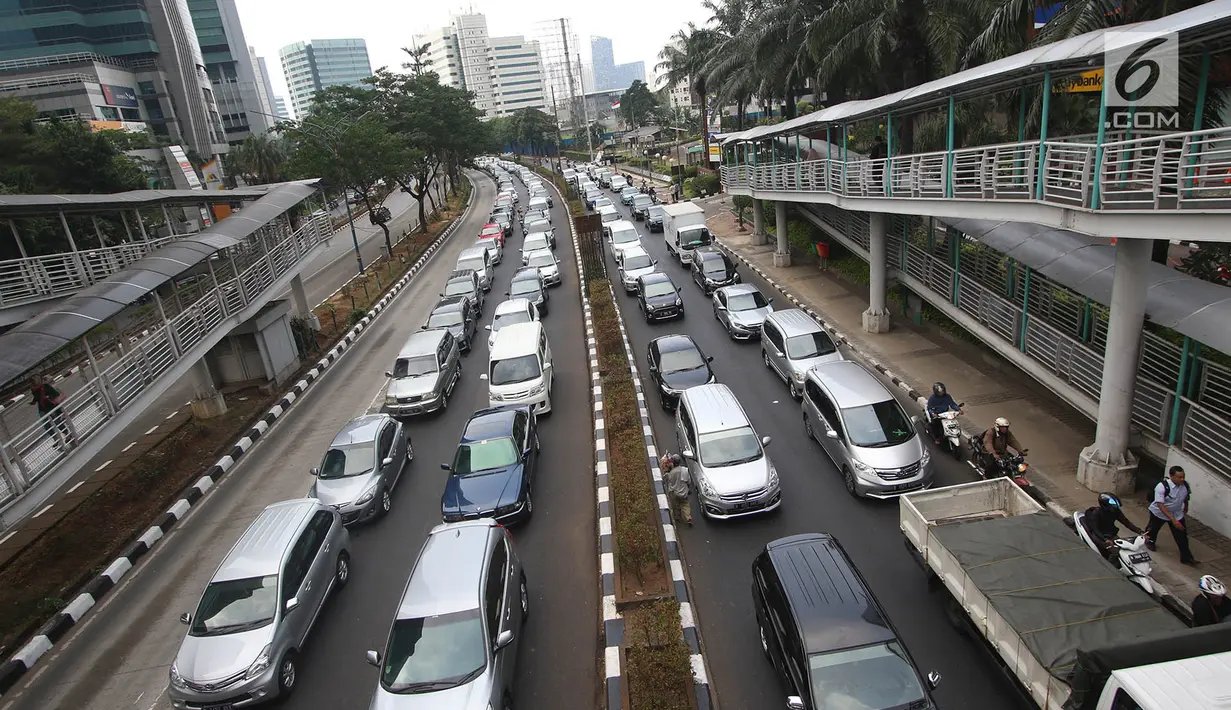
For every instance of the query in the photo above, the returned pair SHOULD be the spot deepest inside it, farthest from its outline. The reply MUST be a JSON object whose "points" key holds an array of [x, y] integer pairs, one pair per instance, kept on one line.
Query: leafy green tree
{"points": [[638, 105], [682, 61], [531, 128], [258, 160]]}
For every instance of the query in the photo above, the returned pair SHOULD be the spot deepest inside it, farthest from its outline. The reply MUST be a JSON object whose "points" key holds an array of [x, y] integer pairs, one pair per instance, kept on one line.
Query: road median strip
{"points": [[12, 670]]}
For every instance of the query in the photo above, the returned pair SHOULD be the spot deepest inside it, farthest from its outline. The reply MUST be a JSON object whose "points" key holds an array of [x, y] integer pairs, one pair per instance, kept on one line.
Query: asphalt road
{"points": [[119, 658], [719, 554]]}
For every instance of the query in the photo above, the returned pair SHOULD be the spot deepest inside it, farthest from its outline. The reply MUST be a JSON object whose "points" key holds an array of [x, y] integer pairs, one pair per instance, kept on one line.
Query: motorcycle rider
{"points": [[940, 401], [996, 442], [1211, 606], [1100, 523]]}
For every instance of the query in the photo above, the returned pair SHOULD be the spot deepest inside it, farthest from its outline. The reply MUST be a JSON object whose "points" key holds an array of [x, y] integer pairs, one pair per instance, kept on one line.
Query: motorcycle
{"points": [[1012, 466], [951, 430], [1132, 557]]}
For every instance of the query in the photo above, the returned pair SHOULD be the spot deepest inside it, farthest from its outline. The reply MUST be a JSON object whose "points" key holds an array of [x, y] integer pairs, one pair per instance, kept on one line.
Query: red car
{"points": [[492, 230]]}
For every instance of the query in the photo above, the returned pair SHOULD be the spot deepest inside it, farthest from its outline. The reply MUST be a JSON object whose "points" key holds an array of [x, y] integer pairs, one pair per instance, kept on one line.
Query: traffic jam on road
{"points": [[443, 510]]}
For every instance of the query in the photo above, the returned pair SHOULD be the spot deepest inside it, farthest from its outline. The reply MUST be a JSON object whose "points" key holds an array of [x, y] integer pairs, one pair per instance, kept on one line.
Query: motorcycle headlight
{"points": [[176, 679], [259, 665], [368, 495]]}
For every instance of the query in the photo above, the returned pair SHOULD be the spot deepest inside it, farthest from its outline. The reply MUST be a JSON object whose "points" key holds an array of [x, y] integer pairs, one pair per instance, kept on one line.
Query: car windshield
{"points": [[639, 261], [484, 455], [236, 605], [694, 237], [459, 287], [658, 288], [610, 216], [434, 653], [542, 259], [624, 236], [444, 319], [491, 230], [642, 201], [414, 366], [714, 266], [869, 678], [534, 243], [809, 345], [343, 461], [730, 447], [524, 287], [503, 319], [538, 226], [657, 212], [878, 425], [746, 301], [515, 369], [474, 263], [679, 360]]}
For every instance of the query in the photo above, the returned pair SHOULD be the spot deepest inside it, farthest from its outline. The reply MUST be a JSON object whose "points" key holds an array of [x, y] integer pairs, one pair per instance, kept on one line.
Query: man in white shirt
{"points": [[1169, 506]]}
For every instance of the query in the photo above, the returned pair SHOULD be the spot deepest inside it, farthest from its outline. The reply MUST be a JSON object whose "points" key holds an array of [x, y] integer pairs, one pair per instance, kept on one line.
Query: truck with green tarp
{"points": [[1056, 614]]}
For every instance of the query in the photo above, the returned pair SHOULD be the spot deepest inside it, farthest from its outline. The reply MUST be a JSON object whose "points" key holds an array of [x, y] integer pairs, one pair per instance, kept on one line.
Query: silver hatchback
{"points": [[870, 438], [791, 343], [741, 309], [246, 634], [454, 641], [364, 463]]}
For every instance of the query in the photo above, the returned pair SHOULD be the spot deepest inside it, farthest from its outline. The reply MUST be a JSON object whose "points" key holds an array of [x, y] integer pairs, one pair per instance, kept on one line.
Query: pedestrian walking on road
{"points": [[47, 398], [677, 482], [1169, 506], [1211, 606]]}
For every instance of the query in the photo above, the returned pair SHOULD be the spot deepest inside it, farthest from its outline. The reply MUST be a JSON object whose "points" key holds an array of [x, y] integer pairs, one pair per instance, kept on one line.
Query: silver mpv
{"points": [[455, 639], [791, 343], [364, 463], [424, 375], [870, 438], [244, 638]]}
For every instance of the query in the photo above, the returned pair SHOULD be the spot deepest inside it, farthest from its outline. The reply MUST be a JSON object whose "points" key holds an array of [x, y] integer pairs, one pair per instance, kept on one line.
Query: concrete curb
{"points": [[21, 662], [613, 622]]}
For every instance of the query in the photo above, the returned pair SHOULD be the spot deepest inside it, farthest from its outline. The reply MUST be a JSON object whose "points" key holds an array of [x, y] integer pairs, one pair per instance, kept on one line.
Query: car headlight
{"points": [[706, 489], [925, 459], [537, 390], [508, 509], [176, 679], [390, 399], [863, 468], [259, 665], [798, 377], [368, 495], [497, 397], [773, 476]]}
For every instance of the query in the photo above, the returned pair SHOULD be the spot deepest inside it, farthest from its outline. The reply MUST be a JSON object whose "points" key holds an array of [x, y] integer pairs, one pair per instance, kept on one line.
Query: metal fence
{"points": [[39, 278], [1062, 331], [240, 278]]}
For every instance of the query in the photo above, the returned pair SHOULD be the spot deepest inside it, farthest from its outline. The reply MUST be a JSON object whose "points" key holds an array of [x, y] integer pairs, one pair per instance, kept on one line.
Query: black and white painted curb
{"points": [[21, 662], [613, 622]]}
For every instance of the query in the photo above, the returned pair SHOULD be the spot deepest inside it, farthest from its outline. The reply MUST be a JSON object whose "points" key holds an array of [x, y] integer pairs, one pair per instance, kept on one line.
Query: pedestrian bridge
{"points": [[243, 263]]}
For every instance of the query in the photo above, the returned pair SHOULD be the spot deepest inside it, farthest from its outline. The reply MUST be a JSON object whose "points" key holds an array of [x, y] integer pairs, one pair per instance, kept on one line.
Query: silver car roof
{"points": [[714, 408], [448, 574], [850, 384], [360, 430], [260, 550], [793, 321], [422, 342]]}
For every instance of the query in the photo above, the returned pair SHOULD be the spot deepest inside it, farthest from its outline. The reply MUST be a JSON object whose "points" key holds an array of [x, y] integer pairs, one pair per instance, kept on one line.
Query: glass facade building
{"points": [[311, 66]]}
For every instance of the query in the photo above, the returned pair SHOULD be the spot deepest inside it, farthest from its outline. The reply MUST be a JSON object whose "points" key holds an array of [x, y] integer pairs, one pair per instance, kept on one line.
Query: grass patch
{"points": [[659, 669]]}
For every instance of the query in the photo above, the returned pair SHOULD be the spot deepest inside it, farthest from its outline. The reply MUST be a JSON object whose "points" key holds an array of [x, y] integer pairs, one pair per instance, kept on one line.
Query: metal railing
{"points": [[38, 278], [1154, 172], [1065, 333], [34, 451]]}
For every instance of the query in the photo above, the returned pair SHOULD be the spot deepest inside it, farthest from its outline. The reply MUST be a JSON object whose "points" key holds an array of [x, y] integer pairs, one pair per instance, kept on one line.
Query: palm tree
{"points": [[682, 61]]}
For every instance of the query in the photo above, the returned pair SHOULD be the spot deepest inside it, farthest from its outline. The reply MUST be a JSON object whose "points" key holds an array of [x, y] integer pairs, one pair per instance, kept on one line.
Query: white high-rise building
{"points": [[313, 65], [505, 74], [264, 87], [281, 110]]}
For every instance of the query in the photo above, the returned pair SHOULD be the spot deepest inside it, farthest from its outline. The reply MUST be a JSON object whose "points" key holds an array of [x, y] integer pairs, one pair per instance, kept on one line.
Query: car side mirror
{"points": [[373, 658], [388, 460], [487, 327], [291, 604], [483, 377], [653, 262], [765, 441], [794, 702], [933, 679], [914, 419], [186, 618], [506, 293], [769, 301], [721, 307], [688, 454], [710, 358], [446, 467], [315, 472], [504, 639]]}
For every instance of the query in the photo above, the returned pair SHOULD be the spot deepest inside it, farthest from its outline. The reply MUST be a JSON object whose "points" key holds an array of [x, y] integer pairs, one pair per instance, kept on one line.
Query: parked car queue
{"points": [[456, 633]]}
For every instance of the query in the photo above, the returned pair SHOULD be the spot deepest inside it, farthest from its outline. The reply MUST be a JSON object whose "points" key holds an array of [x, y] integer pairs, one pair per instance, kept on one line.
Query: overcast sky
{"points": [[637, 28]]}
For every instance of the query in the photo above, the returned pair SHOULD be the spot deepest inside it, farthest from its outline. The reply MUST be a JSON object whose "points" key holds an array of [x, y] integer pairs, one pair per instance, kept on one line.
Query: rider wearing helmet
{"points": [[1211, 606], [997, 442], [1100, 522], [940, 401]]}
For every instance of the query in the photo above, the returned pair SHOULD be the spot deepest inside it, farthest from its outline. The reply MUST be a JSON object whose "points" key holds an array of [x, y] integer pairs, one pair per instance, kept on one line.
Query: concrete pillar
{"points": [[300, 298], [1107, 464], [759, 235], [876, 318], [782, 252], [207, 401]]}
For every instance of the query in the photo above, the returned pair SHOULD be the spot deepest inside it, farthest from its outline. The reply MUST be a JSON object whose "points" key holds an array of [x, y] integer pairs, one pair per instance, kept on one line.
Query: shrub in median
{"points": [[659, 663]]}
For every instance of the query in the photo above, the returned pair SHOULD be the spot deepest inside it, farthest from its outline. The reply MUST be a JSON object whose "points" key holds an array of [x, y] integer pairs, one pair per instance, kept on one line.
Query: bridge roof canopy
{"points": [[41, 205]]}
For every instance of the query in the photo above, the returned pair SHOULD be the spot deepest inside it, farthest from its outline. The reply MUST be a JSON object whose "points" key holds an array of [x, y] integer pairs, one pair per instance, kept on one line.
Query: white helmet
{"points": [[1001, 421], [1210, 585]]}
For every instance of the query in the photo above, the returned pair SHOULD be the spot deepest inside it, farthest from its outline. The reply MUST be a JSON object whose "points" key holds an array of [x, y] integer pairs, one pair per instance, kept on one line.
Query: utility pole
{"points": [[585, 112], [556, 112]]}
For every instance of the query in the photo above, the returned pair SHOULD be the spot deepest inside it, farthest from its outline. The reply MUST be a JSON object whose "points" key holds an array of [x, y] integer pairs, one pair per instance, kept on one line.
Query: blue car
{"points": [[492, 474]]}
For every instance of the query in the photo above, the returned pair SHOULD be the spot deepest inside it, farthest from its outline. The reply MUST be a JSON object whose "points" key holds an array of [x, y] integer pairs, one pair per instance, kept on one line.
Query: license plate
{"points": [[224, 706], [746, 505], [1138, 557]]}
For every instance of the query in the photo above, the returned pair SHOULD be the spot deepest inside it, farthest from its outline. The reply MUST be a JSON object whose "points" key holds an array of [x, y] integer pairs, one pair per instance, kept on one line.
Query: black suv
{"points": [[825, 633]]}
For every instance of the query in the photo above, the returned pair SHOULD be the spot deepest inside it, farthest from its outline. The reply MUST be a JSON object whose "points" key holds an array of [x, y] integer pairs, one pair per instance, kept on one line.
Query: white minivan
{"points": [[520, 367]]}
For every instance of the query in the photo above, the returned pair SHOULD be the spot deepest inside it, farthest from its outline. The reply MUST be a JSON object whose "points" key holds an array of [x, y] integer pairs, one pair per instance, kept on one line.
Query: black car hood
{"points": [[684, 379], [718, 276], [666, 300]]}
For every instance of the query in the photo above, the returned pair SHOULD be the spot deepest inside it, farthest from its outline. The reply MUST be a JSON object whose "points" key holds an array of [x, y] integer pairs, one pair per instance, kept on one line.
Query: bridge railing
{"points": [[38, 278]]}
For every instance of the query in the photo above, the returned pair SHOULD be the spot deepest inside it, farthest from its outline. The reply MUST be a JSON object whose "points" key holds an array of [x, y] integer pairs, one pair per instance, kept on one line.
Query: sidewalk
{"points": [[989, 387]]}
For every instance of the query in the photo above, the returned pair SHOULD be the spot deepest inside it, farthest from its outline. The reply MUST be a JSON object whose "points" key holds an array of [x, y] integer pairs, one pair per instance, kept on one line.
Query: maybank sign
{"points": [[1077, 83]]}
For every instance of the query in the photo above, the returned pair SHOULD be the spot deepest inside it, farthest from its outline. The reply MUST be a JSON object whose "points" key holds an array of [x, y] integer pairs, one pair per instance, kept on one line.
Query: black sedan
{"points": [[676, 363], [457, 315], [659, 297], [711, 270], [492, 473]]}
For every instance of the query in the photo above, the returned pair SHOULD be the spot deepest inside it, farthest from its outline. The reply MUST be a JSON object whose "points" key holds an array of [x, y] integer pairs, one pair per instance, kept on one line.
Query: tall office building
{"points": [[505, 74], [133, 64], [232, 72], [281, 110], [313, 65], [609, 75], [264, 87]]}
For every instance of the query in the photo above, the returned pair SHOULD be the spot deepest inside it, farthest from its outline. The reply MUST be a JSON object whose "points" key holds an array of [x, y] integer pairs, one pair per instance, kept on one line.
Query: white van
{"points": [[520, 367], [479, 259]]}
